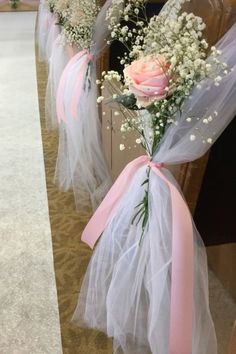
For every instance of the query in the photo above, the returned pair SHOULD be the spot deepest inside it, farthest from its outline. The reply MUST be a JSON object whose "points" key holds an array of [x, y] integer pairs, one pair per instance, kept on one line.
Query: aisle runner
{"points": [[29, 321]]}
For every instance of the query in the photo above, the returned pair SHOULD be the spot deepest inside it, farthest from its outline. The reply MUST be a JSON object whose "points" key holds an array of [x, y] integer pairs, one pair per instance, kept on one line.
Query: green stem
{"points": [[144, 207]]}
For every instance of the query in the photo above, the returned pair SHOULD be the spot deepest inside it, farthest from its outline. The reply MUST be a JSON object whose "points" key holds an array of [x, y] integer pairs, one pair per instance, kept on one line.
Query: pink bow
{"points": [[181, 314]]}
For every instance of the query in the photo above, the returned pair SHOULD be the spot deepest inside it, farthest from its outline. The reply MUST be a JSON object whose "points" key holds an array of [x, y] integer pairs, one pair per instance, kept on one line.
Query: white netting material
{"points": [[53, 33], [44, 22], [60, 55], [126, 289]]}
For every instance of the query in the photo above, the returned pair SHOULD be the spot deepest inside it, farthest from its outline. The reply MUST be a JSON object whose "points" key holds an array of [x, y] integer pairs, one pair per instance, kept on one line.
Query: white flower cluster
{"points": [[201, 131], [141, 125], [111, 75], [61, 7], [180, 42], [118, 13], [79, 24]]}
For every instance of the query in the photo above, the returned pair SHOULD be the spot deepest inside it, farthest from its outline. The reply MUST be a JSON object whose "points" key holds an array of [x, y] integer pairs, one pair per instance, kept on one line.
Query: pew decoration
{"points": [[64, 47], [81, 163], [76, 20], [146, 285], [46, 19], [71, 35]]}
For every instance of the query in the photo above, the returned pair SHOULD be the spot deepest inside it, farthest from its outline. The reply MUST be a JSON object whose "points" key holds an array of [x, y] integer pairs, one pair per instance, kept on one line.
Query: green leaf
{"points": [[139, 204], [146, 181], [129, 101], [145, 220], [141, 215], [136, 215]]}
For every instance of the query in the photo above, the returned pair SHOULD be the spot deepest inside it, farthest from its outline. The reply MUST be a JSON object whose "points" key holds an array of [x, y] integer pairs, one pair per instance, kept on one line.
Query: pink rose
{"points": [[148, 78]]}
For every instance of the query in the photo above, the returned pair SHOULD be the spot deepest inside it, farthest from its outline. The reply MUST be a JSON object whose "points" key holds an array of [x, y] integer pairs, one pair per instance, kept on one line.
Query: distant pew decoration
{"points": [[81, 164]]}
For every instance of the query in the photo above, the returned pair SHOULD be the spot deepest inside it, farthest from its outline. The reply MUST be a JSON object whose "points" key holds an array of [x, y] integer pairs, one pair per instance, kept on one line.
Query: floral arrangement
{"points": [[165, 58], [14, 3], [76, 18], [78, 22], [147, 279]]}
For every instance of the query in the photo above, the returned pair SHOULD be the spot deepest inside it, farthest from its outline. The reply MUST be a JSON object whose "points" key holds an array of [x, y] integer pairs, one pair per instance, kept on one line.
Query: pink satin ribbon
{"points": [[181, 312], [78, 86]]}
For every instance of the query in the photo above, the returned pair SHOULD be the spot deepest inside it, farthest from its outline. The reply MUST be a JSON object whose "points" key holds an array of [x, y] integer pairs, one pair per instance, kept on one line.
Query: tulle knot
{"points": [[158, 165], [90, 56]]}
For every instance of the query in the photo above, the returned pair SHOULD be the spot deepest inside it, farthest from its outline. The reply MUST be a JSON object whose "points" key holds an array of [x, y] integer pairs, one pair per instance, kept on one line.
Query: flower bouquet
{"points": [[146, 284]]}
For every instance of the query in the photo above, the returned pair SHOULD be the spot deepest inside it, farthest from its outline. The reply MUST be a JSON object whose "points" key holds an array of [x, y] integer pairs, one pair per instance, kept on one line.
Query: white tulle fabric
{"points": [[44, 21], [126, 289], [53, 33], [61, 54], [81, 163]]}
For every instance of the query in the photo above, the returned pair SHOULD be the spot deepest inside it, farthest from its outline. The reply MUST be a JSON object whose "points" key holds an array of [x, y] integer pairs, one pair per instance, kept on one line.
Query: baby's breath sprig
{"points": [[77, 18], [127, 23], [79, 23]]}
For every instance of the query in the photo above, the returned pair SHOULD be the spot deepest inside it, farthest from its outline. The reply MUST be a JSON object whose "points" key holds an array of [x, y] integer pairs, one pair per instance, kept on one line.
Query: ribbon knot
{"points": [[154, 164], [181, 307], [90, 57]]}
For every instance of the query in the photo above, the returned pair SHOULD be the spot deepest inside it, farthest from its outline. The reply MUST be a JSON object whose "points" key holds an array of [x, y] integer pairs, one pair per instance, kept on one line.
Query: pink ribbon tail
{"points": [[61, 87], [181, 317], [103, 214], [181, 311]]}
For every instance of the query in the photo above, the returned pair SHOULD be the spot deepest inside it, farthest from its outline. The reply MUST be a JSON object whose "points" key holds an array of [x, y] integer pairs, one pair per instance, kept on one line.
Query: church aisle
{"points": [[29, 320]]}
